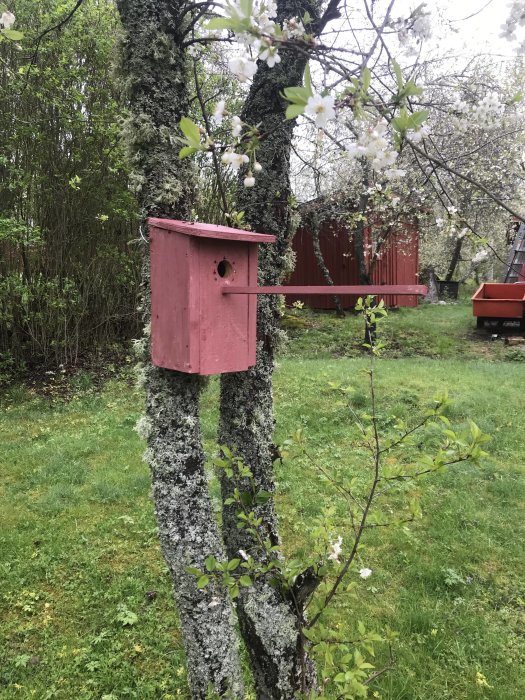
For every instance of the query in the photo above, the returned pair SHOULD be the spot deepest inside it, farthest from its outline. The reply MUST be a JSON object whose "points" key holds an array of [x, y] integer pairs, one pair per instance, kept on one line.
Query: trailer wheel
{"points": [[480, 322]]}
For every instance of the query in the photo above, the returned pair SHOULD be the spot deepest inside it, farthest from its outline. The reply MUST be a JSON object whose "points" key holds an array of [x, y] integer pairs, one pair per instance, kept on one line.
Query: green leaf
{"points": [[416, 119], [219, 23], [366, 79], [262, 497], [210, 563], [203, 581], [398, 74], [193, 571], [297, 95], [293, 111], [186, 151], [191, 131], [474, 430], [245, 581], [308, 80], [411, 89], [246, 7], [12, 34], [127, 617], [233, 564], [246, 498]]}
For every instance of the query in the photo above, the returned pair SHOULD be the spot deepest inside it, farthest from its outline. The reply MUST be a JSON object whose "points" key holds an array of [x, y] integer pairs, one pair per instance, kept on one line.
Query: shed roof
{"points": [[200, 230]]}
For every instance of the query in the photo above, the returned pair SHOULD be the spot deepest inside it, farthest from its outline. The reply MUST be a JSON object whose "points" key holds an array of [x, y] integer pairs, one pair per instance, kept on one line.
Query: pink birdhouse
{"points": [[195, 327]]}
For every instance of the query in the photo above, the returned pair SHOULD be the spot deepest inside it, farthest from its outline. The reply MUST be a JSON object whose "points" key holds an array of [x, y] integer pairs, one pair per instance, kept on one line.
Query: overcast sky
{"points": [[477, 24]]}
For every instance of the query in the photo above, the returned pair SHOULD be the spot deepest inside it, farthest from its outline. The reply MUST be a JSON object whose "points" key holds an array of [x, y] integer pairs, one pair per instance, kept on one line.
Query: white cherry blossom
{"points": [[365, 573], [270, 55], [236, 160], [322, 108], [336, 549], [218, 114], [373, 145], [293, 28], [243, 67], [236, 127], [7, 19]]}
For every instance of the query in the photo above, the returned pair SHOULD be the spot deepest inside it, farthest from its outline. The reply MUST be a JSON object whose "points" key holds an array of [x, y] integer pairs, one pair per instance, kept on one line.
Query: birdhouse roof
{"points": [[200, 230]]}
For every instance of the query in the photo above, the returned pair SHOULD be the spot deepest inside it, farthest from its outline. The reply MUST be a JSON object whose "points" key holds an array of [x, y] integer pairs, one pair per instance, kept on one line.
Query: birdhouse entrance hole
{"points": [[225, 269]]}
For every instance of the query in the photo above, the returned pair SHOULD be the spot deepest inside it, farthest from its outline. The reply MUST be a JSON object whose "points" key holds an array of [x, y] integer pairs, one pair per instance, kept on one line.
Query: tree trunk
{"points": [[360, 236], [316, 230], [270, 624], [456, 254], [155, 74]]}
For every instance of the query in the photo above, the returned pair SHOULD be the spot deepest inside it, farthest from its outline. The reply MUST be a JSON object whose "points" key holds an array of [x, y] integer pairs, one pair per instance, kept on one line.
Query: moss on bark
{"points": [[156, 82], [269, 622]]}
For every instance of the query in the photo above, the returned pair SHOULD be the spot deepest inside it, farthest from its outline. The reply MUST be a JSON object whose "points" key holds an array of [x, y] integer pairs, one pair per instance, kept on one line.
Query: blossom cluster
{"points": [[373, 145], [480, 256], [258, 35], [415, 28], [230, 156], [515, 19], [485, 114]]}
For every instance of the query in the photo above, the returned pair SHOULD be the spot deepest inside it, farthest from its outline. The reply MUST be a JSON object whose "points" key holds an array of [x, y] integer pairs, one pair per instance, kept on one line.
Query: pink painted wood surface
{"points": [[210, 231], [194, 327], [226, 324], [252, 304], [397, 289], [173, 287]]}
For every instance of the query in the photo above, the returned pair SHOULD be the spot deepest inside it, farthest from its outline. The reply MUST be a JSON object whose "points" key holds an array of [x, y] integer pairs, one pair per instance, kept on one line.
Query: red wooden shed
{"points": [[396, 261]]}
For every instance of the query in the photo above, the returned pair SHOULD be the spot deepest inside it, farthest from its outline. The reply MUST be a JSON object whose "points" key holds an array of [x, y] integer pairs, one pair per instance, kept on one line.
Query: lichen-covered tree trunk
{"points": [[360, 235], [269, 622], [456, 257], [154, 72]]}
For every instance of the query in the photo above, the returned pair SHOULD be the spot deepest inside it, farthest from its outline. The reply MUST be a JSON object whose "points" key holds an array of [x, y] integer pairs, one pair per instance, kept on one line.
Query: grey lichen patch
{"points": [[144, 427], [136, 182], [163, 48], [187, 529], [270, 627], [267, 624], [140, 130], [169, 192], [153, 61]]}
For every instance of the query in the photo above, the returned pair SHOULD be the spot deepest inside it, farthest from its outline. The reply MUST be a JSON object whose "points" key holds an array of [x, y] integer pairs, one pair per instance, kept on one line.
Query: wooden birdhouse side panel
{"points": [[174, 301], [253, 281], [227, 322]]}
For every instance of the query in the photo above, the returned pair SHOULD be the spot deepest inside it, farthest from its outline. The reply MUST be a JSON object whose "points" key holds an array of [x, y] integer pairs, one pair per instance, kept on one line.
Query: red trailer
{"points": [[499, 301]]}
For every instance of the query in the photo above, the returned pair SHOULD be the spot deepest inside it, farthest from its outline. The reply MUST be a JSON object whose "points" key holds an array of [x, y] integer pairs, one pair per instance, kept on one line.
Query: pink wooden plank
{"points": [[172, 346], [224, 326], [398, 289], [253, 269], [210, 231]]}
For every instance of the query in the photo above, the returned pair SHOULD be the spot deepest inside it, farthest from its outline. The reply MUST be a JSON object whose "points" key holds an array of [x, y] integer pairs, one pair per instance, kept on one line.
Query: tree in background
{"points": [[68, 274]]}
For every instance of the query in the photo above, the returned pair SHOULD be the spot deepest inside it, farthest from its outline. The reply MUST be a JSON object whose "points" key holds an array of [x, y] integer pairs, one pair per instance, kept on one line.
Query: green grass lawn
{"points": [[86, 610]]}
